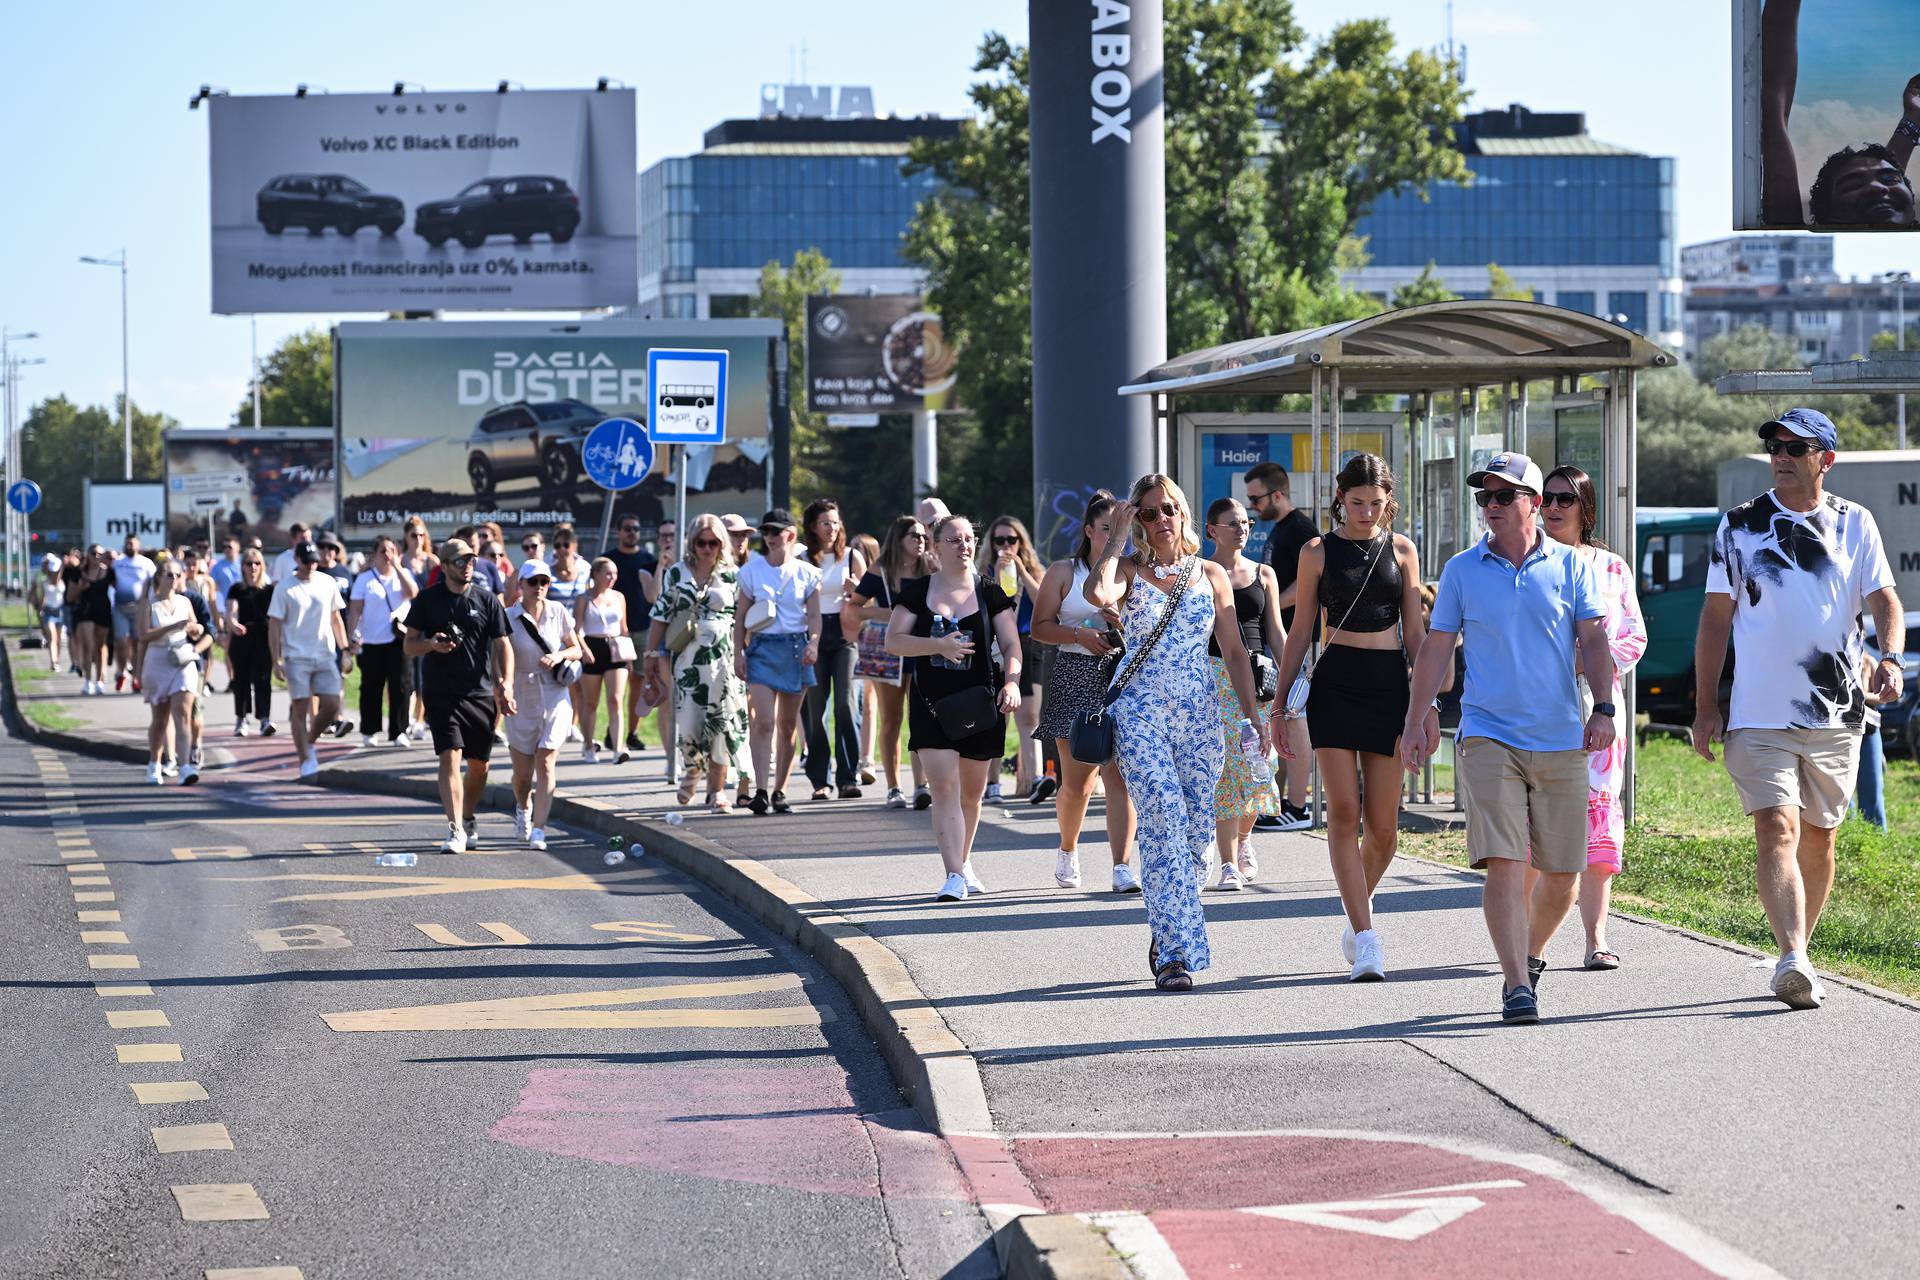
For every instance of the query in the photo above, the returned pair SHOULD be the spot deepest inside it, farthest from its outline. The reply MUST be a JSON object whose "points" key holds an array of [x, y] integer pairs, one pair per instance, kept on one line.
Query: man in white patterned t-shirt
{"points": [[1791, 571]]}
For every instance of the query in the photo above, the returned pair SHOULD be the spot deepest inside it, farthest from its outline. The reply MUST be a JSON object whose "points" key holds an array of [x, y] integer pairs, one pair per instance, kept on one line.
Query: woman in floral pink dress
{"points": [[1569, 508]]}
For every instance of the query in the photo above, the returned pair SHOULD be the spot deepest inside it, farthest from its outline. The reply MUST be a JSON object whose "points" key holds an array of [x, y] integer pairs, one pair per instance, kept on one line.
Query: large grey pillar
{"points": [[1099, 210]]}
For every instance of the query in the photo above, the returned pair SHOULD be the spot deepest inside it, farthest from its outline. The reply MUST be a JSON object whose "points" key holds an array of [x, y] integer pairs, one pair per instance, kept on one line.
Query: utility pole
{"points": [[126, 392], [1899, 280]]}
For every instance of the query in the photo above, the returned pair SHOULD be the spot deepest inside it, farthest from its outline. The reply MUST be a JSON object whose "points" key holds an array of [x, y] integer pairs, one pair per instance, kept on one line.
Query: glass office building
{"points": [[1582, 223], [761, 191]]}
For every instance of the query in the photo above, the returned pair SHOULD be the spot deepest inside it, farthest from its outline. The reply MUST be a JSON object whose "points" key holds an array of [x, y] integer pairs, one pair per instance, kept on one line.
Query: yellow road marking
{"points": [[589, 1009], [507, 935], [94, 895], [367, 846], [90, 880], [168, 1091], [171, 1138], [113, 962], [425, 886], [104, 989], [301, 937], [72, 837], [103, 935], [642, 931], [344, 820], [193, 852], [81, 867], [98, 917], [255, 1273], [79, 851], [127, 1019], [218, 1202], [148, 1052]]}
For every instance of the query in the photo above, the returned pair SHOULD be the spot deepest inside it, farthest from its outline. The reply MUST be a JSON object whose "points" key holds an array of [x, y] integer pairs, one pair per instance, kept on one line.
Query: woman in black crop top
{"points": [[1241, 797], [1366, 579]]}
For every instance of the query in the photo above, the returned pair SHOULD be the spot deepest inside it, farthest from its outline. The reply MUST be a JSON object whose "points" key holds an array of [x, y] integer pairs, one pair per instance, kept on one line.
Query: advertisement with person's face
{"points": [[1828, 114], [423, 201], [881, 354], [249, 483], [460, 423]]}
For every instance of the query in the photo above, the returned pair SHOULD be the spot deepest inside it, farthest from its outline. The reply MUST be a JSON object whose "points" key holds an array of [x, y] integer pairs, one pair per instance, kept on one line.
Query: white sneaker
{"points": [[1066, 870], [895, 800], [954, 890], [1249, 865], [473, 833], [171, 768], [1370, 962], [153, 774], [1346, 944], [972, 877], [189, 775], [240, 728], [268, 728], [590, 754], [369, 740], [402, 740], [993, 793], [1795, 983], [418, 731], [456, 841], [537, 839], [1124, 881], [309, 767], [522, 823], [1229, 879]]}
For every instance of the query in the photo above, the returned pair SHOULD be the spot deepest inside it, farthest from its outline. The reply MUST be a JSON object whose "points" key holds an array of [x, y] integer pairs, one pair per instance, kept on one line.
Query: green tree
{"points": [[1751, 346], [1422, 289], [296, 384], [63, 444], [782, 295], [1502, 285]]}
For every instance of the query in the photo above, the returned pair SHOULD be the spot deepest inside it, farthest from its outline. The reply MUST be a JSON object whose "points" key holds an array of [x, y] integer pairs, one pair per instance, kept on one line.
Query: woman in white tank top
{"points": [[1082, 669], [600, 615]]}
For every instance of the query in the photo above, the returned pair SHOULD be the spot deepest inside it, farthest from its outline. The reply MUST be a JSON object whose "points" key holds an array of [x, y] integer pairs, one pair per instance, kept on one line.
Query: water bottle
{"points": [[676, 819], [943, 625], [397, 860], [616, 851], [1256, 758], [1009, 581]]}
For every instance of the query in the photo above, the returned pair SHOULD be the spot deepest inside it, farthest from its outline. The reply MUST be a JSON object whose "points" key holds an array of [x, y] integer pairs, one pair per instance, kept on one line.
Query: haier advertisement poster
{"points": [[524, 200], [462, 423]]}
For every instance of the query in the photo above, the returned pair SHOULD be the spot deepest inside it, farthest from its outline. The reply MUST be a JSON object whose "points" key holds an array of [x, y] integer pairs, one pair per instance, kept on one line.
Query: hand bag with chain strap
{"points": [[1091, 738]]}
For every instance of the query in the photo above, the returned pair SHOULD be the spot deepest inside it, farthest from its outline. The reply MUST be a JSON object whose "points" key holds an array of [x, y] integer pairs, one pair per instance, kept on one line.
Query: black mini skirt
{"points": [[1358, 700]]}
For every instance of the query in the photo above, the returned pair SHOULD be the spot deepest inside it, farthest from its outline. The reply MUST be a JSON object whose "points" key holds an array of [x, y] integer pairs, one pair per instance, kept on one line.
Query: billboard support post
{"points": [[926, 453]]}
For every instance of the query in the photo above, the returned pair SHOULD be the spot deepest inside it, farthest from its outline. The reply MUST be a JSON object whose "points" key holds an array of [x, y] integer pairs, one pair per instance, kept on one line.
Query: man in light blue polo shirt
{"points": [[1522, 604]]}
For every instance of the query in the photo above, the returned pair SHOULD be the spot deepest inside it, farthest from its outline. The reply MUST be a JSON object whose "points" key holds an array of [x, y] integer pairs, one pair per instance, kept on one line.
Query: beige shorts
{"points": [[1811, 770], [1524, 800], [313, 678]]}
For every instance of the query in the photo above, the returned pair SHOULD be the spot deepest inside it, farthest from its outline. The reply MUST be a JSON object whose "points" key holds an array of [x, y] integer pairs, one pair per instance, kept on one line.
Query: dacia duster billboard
{"points": [[523, 200], [465, 422]]}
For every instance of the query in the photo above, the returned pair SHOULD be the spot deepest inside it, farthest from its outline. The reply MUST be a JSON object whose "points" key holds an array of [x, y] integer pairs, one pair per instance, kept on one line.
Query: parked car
{"points": [[317, 201], [521, 207], [538, 440], [1899, 721]]}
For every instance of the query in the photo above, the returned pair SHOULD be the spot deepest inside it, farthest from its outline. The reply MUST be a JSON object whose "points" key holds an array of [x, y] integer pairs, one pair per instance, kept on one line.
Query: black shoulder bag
{"points": [[969, 711], [1091, 739]]}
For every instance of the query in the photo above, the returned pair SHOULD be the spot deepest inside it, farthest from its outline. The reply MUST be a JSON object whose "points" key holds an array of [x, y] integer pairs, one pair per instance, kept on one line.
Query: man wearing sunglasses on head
{"points": [[1522, 604], [1790, 572]]}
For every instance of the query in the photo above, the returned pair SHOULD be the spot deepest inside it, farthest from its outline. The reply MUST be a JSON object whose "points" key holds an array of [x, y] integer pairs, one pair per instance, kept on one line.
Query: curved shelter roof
{"points": [[1439, 345]]}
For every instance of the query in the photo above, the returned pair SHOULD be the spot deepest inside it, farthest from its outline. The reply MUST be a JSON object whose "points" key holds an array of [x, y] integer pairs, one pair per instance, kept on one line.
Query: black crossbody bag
{"points": [[1091, 739]]}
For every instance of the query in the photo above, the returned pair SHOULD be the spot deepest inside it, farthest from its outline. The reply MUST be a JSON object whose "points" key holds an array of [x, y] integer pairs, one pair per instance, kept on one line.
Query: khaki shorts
{"points": [[1811, 770], [1519, 800], [313, 678]]}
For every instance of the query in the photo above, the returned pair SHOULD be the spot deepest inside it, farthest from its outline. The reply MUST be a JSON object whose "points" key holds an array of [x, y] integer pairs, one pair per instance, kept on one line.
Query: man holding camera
{"points": [[467, 672]]}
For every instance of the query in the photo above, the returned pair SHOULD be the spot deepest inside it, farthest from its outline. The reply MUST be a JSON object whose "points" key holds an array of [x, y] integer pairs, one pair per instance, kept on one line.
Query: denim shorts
{"points": [[774, 661]]}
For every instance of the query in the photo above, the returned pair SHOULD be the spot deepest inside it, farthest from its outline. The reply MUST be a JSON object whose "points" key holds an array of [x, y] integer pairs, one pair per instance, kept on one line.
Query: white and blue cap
{"points": [[1517, 469], [1808, 424]]}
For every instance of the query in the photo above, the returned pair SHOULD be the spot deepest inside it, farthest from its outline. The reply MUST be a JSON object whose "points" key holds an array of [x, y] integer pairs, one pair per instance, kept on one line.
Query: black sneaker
{"points": [[1519, 1006], [780, 803], [850, 792], [633, 742], [1042, 791], [1535, 967], [1292, 819], [341, 728], [1267, 822], [759, 802], [922, 798]]}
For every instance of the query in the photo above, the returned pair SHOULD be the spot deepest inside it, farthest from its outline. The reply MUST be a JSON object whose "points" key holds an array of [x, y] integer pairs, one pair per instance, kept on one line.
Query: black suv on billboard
{"points": [[537, 440], [317, 201], [519, 207]]}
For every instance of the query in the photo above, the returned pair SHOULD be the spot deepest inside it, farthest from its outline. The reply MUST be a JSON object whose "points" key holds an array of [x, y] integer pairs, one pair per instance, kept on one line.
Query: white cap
{"points": [[1515, 468], [50, 562], [535, 569]]}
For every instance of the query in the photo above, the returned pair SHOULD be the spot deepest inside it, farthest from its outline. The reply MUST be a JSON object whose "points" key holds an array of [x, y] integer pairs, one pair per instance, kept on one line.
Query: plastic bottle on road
{"points": [[676, 819], [397, 860], [1256, 758], [616, 851]]}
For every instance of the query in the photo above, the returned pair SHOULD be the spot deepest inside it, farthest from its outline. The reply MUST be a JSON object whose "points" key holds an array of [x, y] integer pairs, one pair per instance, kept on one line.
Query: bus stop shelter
{"points": [[1436, 390]]}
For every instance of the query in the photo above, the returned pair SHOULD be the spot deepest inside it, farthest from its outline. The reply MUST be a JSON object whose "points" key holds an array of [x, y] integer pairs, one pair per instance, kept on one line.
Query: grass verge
{"points": [[1690, 862]]}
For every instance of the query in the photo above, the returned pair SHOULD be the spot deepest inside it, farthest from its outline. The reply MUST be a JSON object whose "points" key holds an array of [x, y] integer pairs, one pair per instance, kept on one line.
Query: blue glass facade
{"points": [[1533, 211], [752, 209]]}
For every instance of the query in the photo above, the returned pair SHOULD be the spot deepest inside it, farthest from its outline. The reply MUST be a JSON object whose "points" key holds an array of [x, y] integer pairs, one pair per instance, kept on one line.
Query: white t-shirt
{"points": [[1798, 581], [283, 566], [383, 602], [305, 610], [131, 574], [789, 585]]}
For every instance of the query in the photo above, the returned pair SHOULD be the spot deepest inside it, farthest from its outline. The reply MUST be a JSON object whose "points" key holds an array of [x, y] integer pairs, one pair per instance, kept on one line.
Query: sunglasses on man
{"points": [[1792, 448], [1505, 497]]}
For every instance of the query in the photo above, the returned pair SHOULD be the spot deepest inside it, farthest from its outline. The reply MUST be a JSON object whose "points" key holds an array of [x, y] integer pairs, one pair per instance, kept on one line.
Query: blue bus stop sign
{"points": [[617, 454], [23, 496]]}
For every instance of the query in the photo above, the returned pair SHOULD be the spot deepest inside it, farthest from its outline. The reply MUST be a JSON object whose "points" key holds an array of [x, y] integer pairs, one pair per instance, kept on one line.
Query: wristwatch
{"points": [[1606, 709], [1908, 129]]}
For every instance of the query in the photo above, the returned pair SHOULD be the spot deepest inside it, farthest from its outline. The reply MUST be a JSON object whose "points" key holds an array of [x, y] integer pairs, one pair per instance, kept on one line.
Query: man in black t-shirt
{"points": [[1270, 497], [633, 567], [459, 630]]}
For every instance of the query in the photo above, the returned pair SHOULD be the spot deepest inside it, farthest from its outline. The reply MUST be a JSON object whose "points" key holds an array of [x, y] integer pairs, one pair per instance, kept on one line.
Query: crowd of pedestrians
{"points": [[1196, 694]]}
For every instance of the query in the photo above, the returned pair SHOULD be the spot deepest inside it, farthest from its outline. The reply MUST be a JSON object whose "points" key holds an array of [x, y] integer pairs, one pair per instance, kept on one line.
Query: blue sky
{"points": [[102, 152]]}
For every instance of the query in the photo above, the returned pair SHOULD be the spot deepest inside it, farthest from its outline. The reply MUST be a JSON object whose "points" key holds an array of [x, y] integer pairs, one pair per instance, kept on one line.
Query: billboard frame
{"points": [[304, 435]]}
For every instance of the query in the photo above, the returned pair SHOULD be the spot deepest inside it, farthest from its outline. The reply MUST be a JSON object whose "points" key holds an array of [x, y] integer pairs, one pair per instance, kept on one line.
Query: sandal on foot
{"points": [[687, 785], [1173, 976], [1603, 960]]}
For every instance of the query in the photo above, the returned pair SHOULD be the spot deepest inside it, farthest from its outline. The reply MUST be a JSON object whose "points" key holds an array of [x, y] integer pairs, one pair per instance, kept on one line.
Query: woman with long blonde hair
{"points": [[699, 595], [1168, 734]]}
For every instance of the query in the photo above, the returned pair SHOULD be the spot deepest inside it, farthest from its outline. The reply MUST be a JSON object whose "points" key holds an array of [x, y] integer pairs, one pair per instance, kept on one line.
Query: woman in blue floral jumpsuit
{"points": [[1170, 741]]}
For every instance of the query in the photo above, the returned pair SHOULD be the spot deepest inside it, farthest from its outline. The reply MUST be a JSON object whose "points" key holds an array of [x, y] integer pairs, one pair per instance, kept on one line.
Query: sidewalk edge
{"points": [[23, 728]]}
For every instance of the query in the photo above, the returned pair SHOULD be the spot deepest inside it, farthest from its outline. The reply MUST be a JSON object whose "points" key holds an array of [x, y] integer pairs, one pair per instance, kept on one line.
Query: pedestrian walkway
{"points": [[1667, 1118]]}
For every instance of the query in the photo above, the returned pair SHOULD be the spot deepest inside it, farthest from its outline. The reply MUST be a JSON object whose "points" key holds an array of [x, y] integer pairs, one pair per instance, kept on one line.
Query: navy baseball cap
{"points": [[1808, 424]]}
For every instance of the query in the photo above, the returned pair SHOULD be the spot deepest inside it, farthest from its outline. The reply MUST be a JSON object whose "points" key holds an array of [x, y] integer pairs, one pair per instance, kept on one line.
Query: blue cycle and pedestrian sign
{"points": [[23, 496], [617, 454], [688, 391]]}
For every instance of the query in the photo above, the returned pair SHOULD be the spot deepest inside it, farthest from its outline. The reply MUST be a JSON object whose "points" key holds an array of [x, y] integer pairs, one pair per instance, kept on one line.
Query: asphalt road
{"points": [[504, 1063]]}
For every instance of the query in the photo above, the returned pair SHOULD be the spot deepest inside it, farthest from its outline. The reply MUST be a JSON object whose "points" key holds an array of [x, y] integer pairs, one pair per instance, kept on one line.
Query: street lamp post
{"points": [[1899, 281], [126, 393], [10, 450]]}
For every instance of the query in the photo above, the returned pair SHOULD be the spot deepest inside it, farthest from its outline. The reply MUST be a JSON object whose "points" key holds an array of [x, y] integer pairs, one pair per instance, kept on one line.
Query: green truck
{"points": [[1673, 546]]}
